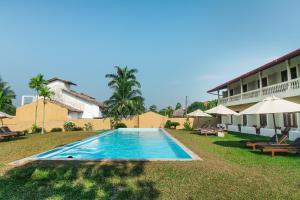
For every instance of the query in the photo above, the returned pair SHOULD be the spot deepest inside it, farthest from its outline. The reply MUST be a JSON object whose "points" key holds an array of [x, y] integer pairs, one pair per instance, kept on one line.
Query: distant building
{"points": [[79, 105], [179, 112]]}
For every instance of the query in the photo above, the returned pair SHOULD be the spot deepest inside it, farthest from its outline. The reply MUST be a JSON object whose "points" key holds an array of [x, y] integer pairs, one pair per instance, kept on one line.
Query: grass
{"points": [[228, 171]]}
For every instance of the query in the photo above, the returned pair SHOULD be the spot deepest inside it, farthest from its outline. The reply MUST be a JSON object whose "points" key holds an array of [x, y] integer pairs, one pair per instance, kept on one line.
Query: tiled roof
{"points": [[263, 67], [70, 108], [62, 80], [85, 97]]}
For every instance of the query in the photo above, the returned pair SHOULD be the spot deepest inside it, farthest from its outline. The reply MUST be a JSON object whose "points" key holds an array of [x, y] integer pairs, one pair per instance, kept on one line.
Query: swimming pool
{"points": [[124, 144]]}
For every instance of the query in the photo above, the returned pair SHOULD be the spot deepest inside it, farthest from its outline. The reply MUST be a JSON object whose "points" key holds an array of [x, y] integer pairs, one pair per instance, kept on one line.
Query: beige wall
{"points": [[56, 116]]}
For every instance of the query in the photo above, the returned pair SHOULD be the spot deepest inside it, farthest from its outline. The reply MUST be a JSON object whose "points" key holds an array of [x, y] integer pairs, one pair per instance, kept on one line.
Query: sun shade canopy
{"points": [[272, 105], [198, 113], [221, 110]]}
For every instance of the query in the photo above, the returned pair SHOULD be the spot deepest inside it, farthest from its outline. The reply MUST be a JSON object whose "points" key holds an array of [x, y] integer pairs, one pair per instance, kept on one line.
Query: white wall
{"points": [[89, 109]]}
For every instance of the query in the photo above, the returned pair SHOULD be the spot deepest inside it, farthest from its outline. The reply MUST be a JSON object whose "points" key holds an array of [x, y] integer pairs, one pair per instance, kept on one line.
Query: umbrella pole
{"points": [[275, 128]]}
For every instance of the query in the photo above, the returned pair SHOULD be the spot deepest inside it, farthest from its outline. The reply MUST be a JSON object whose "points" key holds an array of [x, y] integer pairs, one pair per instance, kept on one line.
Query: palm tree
{"points": [[6, 97], [126, 99], [46, 94], [37, 83]]}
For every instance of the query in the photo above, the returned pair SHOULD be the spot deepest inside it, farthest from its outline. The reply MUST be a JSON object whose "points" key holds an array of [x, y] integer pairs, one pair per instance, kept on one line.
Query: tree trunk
{"points": [[43, 126], [36, 109]]}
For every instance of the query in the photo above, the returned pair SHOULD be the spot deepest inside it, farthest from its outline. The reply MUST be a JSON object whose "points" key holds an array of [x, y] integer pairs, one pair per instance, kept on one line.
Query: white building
{"points": [[281, 78], [89, 106]]}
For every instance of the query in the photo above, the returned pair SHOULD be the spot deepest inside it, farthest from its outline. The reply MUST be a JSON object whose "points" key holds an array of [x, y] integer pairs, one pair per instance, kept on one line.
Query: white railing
{"points": [[284, 89]]}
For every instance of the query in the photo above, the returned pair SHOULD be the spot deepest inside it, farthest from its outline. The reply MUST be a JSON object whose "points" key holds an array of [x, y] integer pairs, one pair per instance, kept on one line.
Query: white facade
{"points": [[279, 78], [63, 94]]}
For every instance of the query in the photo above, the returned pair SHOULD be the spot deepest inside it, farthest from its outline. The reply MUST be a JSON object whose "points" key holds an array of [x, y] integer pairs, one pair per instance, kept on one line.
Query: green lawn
{"points": [[228, 171]]}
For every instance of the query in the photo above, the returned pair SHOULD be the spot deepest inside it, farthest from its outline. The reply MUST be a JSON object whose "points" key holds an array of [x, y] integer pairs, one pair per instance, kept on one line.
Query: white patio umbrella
{"points": [[272, 105], [221, 110], [197, 114], [4, 115]]}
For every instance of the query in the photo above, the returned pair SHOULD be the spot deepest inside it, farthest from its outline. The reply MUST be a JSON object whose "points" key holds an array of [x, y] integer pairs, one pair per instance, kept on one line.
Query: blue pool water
{"points": [[123, 144]]}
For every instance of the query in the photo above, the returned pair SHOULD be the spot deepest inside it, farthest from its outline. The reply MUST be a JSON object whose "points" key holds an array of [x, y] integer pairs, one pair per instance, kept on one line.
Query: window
{"points": [[284, 76], [231, 92], [244, 120], [225, 94], [245, 88], [263, 120], [264, 82], [293, 73], [289, 119], [258, 84]]}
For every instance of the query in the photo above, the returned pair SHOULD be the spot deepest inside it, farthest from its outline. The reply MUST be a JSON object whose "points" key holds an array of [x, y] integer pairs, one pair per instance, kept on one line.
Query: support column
{"points": [[298, 120], [241, 82], [260, 83], [288, 68]]}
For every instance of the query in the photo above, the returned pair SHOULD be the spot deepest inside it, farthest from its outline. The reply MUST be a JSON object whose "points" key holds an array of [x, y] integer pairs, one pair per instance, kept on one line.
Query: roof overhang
{"points": [[255, 71]]}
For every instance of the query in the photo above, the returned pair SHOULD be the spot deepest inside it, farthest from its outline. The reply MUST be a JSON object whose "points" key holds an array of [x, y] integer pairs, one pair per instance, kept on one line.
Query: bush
{"points": [[187, 125], [36, 129], [88, 127], [170, 124], [120, 125], [56, 130], [25, 132], [69, 126], [77, 128]]}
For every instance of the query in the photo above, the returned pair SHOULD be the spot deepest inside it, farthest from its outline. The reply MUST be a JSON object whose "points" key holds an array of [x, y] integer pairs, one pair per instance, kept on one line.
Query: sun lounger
{"points": [[202, 127], [7, 136], [294, 147], [5, 129], [210, 131], [281, 138]]}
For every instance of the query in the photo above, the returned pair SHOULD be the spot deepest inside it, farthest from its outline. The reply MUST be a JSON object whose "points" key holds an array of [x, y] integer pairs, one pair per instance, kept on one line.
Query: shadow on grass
{"points": [[77, 180]]}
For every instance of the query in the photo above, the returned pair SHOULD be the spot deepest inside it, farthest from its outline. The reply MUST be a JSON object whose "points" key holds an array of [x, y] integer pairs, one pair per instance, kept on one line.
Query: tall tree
{"points": [[6, 97], [153, 108], [37, 83], [46, 94], [126, 99], [168, 111], [178, 106]]}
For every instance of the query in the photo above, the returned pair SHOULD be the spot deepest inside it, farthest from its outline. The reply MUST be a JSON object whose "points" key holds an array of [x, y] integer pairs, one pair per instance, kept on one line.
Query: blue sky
{"points": [[179, 47]]}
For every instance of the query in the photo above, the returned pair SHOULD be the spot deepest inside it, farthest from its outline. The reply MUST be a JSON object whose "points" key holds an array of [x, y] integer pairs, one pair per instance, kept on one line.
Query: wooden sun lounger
{"points": [[6, 130], [281, 138], [210, 131], [291, 148]]}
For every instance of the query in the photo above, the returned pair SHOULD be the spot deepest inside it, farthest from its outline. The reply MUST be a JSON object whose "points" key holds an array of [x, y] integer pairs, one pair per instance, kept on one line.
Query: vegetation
{"points": [[46, 94], [178, 106], [126, 99], [37, 83], [167, 111], [56, 130], [187, 125], [170, 124], [153, 108], [202, 105], [69, 126], [228, 171], [88, 127], [6, 97], [120, 125], [36, 129]]}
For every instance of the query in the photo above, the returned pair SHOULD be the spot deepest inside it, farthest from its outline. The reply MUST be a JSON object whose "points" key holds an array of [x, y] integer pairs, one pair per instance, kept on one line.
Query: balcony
{"points": [[285, 89]]}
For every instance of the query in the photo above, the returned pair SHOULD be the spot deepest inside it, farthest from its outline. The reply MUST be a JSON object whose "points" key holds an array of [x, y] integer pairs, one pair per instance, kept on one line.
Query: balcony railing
{"points": [[284, 89]]}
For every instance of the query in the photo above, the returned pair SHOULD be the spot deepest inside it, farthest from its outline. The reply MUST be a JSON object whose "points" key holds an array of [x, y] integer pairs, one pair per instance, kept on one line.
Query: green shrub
{"points": [[56, 130], [187, 125], [77, 128], [25, 132], [69, 126], [120, 125], [88, 127], [170, 124], [36, 129]]}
